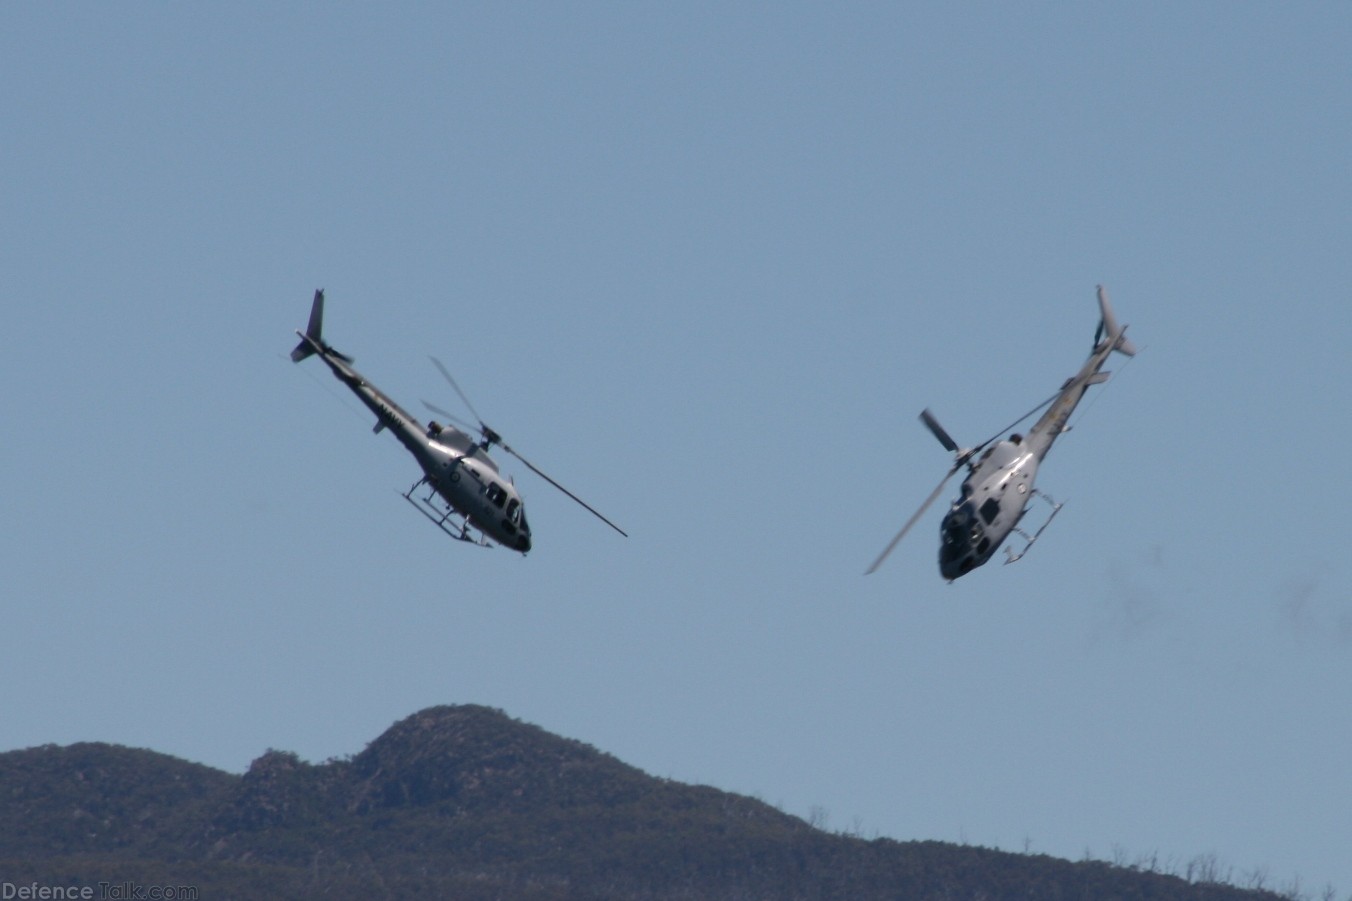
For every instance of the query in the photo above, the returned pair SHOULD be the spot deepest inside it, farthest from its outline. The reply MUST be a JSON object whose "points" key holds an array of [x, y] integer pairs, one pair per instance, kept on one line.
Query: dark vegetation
{"points": [[464, 802]]}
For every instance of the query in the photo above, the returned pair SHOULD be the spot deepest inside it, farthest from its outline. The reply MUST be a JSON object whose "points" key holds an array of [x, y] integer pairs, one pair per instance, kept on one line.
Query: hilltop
{"points": [[466, 802]]}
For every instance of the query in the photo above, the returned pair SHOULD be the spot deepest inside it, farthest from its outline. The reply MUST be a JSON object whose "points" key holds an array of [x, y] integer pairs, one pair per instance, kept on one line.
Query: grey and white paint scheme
{"points": [[465, 488], [999, 485]]}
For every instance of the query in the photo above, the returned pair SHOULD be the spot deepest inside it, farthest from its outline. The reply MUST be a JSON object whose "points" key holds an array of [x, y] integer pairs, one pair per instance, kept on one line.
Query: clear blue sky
{"points": [[704, 263]]}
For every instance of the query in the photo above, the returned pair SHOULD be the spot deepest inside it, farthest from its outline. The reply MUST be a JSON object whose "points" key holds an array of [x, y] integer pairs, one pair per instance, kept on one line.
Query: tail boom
{"points": [[1112, 338]]}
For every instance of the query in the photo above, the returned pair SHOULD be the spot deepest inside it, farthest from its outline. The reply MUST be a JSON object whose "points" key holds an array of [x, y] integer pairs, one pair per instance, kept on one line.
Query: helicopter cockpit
{"points": [[513, 516], [977, 522], [963, 541]]}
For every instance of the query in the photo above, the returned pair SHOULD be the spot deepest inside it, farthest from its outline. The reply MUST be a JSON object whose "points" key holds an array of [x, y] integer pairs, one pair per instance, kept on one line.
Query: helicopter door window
{"points": [[497, 494], [990, 510], [514, 510]]}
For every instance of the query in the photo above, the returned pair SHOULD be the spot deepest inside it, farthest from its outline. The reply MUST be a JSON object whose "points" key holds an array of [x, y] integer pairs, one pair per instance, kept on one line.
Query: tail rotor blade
{"points": [[915, 517], [933, 425]]}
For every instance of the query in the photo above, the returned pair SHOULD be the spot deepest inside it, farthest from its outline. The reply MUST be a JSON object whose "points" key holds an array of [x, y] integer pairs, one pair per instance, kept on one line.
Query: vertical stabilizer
{"points": [[311, 340], [1109, 328]]}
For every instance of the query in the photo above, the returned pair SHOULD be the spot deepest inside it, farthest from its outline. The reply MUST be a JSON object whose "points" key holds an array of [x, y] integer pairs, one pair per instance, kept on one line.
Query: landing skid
{"points": [[1056, 508], [458, 531]]}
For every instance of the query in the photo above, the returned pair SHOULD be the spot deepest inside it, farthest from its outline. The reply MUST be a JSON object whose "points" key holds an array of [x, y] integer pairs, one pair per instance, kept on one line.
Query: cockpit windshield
{"points": [[963, 540], [955, 529], [962, 532]]}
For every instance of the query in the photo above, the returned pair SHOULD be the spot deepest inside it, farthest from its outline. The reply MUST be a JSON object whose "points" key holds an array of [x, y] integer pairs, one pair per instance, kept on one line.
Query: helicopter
{"points": [[999, 486], [465, 488]]}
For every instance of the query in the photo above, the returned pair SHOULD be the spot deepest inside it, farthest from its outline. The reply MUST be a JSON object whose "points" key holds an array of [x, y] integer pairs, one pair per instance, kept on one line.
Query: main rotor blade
{"points": [[914, 518], [448, 415], [541, 473], [447, 376], [1015, 422], [933, 425], [963, 456]]}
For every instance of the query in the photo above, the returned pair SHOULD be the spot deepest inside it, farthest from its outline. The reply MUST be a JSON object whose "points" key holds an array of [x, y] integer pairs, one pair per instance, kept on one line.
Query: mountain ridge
{"points": [[464, 801]]}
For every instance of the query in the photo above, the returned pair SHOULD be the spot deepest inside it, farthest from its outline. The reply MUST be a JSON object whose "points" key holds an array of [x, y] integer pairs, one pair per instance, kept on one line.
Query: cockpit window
{"points": [[514, 510], [496, 493]]}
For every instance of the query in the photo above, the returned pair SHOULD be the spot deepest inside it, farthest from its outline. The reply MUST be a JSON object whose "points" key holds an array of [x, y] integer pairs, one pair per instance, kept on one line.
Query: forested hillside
{"points": [[465, 802]]}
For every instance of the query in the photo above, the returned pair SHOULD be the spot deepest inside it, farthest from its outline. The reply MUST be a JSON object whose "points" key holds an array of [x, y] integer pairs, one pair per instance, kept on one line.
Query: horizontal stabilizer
{"points": [[301, 351]]}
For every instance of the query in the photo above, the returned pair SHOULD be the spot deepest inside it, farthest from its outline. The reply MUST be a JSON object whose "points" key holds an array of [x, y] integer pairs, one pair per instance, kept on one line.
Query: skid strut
{"points": [[458, 531], [1056, 508]]}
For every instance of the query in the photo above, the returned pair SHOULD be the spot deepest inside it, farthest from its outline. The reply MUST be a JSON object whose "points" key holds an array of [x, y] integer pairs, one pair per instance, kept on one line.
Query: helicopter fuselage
{"points": [[999, 484], [995, 495], [994, 498], [461, 478], [453, 464]]}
